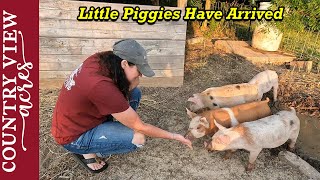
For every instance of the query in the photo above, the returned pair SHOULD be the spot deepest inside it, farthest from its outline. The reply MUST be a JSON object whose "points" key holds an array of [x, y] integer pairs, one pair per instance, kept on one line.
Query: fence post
{"points": [[182, 3], [207, 7]]}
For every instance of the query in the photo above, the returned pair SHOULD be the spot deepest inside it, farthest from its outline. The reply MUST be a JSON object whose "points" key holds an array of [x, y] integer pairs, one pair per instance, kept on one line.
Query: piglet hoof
{"points": [[205, 144], [228, 155], [210, 151], [291, 149], [276, 104], [250, 167]]}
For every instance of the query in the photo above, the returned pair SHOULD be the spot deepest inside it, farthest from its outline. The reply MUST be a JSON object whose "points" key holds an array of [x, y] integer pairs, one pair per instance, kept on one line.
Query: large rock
{"points": [[195, 40], [296, 162], [243, 48]]}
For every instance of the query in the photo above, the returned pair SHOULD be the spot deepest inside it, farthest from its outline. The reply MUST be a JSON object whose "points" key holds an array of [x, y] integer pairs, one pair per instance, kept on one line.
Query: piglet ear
{"points": [[203, 120], [192, 99], [220, 127], [191, 114], [205, 144], [224, 139]]}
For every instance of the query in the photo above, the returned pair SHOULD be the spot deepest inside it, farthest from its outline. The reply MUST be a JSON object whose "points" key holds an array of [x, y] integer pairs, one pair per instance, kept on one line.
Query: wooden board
{"points": [[59, 14], [297, 65], [66, 42], [92, 50], [64, 74], [110, 26], [109, 34], [64, 9], [70, 66], [74, 5], [162, 82], [106, 43], [145, 82], [80, 58], [148, 44]]}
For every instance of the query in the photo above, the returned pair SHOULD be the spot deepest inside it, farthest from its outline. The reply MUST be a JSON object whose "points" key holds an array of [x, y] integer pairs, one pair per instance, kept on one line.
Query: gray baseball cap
{"points": [[133, 52]]}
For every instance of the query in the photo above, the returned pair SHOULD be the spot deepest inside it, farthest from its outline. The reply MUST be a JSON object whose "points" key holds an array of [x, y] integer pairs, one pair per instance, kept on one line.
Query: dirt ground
{"points": [[165, 108]]}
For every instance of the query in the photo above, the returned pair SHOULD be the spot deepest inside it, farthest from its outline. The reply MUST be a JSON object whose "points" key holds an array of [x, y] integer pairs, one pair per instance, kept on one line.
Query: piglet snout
{"points": [[189, 136]]}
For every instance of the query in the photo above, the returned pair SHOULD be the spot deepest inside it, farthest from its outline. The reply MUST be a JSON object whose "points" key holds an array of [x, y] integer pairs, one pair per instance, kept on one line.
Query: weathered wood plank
{"points": [[106, 43], [110, 26], [58, 14], [87, 33], [63, 58], [91, 50], [69, 66], [66, 42], [74, 5], [81, 58], [162, 82], [144, 82], [51, 83], [297, 65], [64, 74], [62, 50]]}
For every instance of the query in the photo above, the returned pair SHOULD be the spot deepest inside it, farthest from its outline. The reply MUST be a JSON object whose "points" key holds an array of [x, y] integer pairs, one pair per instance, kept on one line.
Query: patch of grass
{"points": [[305, 44]]}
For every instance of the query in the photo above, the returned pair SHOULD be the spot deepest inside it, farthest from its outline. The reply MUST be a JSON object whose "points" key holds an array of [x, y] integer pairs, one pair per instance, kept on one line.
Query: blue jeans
{"points": [[110, 137]]}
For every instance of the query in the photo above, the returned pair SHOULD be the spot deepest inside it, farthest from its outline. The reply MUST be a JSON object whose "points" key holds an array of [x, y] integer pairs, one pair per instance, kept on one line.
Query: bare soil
{"points": [[165, 108]]}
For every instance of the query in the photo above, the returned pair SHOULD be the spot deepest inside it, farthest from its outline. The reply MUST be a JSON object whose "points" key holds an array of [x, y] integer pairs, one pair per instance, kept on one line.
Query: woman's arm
{"points": [[131, 119]]}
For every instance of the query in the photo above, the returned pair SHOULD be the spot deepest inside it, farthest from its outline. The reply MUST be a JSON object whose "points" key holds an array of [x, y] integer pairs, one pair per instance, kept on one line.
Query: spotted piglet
{"points": [[224, 96], [268, 132], [235, 94]]}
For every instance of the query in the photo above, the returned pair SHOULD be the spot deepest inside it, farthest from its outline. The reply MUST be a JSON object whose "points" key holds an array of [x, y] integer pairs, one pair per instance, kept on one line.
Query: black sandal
{"points": [[84, 162]]}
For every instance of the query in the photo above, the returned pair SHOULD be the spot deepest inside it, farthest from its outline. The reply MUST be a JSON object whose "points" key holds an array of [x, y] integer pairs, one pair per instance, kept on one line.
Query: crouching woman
{"points": [[101, 90]]}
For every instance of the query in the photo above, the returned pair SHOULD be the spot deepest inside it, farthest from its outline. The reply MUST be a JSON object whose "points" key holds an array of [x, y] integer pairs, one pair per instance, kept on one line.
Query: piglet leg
{"points": [[275, 92], [229, 154], [252, 158], [293, 140]]}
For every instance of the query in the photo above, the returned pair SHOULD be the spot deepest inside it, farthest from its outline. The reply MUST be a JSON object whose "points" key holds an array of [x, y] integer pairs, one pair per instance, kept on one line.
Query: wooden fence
{"points": [[66, 42]]}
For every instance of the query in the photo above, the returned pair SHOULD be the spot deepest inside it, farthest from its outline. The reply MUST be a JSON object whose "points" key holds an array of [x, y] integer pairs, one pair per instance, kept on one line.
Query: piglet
{"points": [[224, 96], [235, 94], [268, 132], [203, 123]]}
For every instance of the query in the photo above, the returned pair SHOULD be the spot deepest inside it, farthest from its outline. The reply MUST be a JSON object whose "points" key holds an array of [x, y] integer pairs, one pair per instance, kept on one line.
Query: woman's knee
{"points": [[138, 139]]}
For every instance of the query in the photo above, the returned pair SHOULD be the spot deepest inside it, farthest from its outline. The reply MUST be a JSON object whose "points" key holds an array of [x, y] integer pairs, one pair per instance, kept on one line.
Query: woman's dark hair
{"points": [[110, 66]]}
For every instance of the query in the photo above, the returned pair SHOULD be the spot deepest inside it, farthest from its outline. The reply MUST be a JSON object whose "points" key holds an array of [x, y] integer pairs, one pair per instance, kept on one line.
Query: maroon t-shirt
{"points": [[85, 100]]}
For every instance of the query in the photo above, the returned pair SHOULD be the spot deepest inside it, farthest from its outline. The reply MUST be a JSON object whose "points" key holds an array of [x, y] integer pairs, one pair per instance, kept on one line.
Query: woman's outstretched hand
{"points": [[183, 140]]}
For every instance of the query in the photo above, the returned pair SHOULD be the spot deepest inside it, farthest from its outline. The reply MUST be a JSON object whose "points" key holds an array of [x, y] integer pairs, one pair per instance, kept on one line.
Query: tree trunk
{"points": [[182, 3], [207, 7]]}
